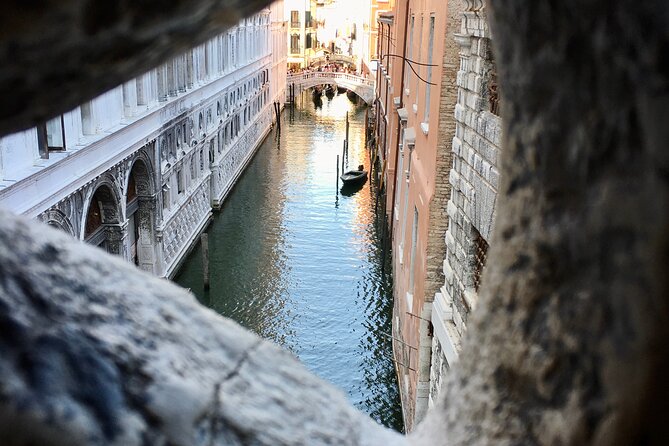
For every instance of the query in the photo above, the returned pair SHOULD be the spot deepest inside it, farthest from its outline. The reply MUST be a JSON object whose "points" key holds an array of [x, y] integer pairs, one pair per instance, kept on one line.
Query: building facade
{"points": [[302, 29], [138, 169], [474, 179], [415, 128]]}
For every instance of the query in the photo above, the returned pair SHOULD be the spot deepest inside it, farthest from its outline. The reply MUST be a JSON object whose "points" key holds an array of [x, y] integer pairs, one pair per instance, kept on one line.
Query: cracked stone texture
{"points": [[54, 55], [93, 351]]}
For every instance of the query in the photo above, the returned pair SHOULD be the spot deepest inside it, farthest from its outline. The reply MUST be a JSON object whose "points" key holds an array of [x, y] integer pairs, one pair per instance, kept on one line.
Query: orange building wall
{"points": [[413, 304]]}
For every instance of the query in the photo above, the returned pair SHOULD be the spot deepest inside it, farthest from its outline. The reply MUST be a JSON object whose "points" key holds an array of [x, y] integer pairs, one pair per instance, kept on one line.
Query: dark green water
{"points": [[301, 265]]}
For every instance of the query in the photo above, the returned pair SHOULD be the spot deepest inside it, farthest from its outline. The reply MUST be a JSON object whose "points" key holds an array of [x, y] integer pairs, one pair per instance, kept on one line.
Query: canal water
{"points": [[301, 264]]}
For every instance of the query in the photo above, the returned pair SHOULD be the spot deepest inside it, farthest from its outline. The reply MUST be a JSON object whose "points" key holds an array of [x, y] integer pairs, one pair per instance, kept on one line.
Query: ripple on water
{"points": [[301, 266]]}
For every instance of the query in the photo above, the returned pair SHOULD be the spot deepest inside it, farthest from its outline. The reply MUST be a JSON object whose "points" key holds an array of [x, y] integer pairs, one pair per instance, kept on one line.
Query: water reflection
{"points": [[300, 264]]}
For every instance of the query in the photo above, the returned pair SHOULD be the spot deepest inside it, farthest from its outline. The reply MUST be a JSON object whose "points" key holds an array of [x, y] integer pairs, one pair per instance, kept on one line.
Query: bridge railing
{"points": [[332, 58], [327, 75]]}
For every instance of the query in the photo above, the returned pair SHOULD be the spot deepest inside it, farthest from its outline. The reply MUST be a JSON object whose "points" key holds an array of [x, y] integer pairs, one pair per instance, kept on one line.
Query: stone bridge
{"points": [[360, 85], [329, 58]]}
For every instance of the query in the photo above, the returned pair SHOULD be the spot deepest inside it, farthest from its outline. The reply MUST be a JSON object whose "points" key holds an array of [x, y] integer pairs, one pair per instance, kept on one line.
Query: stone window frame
{"points": [[180, 181], [489, 85], [476, 255], [429, 70], [480, 253]]}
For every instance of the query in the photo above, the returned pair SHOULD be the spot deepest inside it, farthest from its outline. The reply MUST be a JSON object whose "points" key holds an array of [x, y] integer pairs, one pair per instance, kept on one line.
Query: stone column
{"points": [[116, 236], [160, 268], [146, 223]]}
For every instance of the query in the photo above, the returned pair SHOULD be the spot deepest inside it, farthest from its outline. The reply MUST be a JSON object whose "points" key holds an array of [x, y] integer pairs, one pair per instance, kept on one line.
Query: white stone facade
{"points": [[138, 169], [474, 178]]}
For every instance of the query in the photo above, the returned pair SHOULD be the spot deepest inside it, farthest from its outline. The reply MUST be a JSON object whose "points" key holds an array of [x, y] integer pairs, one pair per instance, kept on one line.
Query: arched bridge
{"points": [[360, 85], [329, 58]]}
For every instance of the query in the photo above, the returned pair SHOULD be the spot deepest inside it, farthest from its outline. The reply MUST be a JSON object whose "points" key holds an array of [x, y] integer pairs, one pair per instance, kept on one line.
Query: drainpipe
{"points": [[379, 40], [397, 144]]}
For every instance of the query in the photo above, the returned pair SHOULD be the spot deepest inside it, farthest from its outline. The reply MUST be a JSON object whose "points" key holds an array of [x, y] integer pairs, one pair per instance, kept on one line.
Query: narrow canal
{"points": [[300, 264]]}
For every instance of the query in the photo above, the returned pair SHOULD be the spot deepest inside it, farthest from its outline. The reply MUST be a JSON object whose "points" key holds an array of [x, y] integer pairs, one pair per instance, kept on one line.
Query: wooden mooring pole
{"points": [[337, 172], [347, 128], [204, 241], [277, 111]]}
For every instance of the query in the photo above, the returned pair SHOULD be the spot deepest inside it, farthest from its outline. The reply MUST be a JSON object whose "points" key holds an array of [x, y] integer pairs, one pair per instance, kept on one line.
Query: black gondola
{"points": [[354, 176]]}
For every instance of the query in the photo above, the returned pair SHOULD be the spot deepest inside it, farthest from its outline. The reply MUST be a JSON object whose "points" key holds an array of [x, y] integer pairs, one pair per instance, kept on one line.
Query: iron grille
{"points": [[493, 86], [480, 257], [493, 93]]}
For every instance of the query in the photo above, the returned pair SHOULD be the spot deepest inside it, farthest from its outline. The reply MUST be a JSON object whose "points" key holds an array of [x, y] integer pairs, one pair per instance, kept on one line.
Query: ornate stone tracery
{"points": [[58, 219], [474, 5]]}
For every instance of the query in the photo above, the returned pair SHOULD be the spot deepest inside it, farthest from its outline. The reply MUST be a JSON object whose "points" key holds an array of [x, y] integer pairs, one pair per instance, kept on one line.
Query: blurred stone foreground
{"points": [[568, 345], [95, 352]]}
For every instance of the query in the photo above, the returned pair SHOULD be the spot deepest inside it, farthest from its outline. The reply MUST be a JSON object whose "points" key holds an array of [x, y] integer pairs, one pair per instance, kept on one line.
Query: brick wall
{"points": [[436, 249]]}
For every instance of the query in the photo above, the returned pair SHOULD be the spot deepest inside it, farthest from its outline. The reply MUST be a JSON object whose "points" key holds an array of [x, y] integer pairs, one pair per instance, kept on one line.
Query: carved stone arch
{"points": [[140, 211], [141, 170], [59, 220], [106, 194]]}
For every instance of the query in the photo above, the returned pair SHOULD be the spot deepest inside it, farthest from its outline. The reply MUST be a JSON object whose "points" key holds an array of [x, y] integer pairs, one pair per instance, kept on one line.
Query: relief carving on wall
{"points": [[474, 5]]}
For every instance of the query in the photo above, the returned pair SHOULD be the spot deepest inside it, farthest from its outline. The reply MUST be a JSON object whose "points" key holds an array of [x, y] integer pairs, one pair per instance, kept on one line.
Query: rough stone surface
{"points": [[569, 342], [93, 351], [55, 55], [475, 147]]}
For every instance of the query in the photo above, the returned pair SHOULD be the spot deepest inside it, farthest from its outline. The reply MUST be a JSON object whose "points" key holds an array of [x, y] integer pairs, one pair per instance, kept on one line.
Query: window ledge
{"points": [[471, 298], [409, 297]]}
